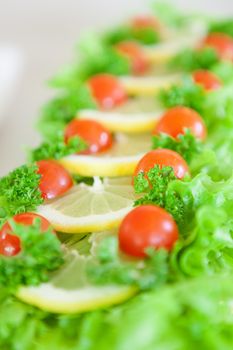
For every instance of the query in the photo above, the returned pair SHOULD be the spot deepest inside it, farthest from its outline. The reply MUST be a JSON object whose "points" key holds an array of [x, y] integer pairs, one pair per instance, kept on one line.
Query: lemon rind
{"points": [[67, 224], [56, 300], [101, 166], [148, 86], [136, 123]]}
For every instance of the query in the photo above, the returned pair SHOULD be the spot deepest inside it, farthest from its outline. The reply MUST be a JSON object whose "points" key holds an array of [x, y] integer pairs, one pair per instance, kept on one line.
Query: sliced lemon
{"points": [[138, 115], [176, 41], [120, 160], [70, 291], [90, 208], [149, 85]]}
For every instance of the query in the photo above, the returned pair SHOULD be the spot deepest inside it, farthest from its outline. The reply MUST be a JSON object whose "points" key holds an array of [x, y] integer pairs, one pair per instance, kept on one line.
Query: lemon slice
{"points": [[176, 41], [136, 116], [120, 160], [149, 85], [70, 291], [90, 208]]}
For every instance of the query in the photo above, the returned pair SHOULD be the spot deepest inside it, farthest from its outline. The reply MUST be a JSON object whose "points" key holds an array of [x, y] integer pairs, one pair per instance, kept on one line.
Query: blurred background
{"points": [[36, 38]]}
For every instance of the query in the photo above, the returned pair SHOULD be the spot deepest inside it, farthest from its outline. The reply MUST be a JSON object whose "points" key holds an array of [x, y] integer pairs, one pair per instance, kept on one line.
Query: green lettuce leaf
{"points": [[186, 315], [62, 109], [169, 14], [222, 26], [224, 70], [95, 57]]}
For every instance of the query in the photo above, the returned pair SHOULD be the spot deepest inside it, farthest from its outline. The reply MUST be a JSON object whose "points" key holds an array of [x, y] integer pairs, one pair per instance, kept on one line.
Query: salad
{"points": [[117, 232]]}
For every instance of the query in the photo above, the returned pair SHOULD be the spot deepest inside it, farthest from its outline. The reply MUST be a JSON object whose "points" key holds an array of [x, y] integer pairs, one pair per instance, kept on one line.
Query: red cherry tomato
{"points": [[55, 180], [142, 22], [97, 137], [147, 226], [222, 43], [163, 157], [10, 244], [133, 51], [206, 79], [177, 119], [107, 90]]}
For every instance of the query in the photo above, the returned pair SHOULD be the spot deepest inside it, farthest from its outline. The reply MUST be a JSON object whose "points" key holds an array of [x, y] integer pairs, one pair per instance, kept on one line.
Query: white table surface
{"points": [[45, 31]]}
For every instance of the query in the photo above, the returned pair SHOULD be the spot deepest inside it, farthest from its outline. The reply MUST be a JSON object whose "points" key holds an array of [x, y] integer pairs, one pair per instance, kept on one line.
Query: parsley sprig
{"points": [[222, 26], [145, 36], [109, 267], [189, 60], [186, 94], [63, 108], [19, 191], [156, 189], [40, 254], [57, 148], [186, 144]]}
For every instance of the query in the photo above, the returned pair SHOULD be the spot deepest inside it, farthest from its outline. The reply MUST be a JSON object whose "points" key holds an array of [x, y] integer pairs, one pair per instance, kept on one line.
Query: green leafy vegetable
{"points": [[40, 254], [223, 26], [224, 70], [57, 148], [61, 110], [208, 248], [168, 14], [111, 268], [79, 178], [189, 60], [96, 57], [186, 315], [146, 36], [186, 94], [210, 244], [218, 108], [186, 144], [217, 113], [155, 190], [19, 191], [203, 210]]}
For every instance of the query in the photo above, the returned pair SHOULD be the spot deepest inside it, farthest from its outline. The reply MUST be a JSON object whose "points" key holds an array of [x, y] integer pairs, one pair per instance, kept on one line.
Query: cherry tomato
{"points": [[107, 90], [55, 180], [163, 157], [133, 51], [144, 22], [98, 138], [147, 226], [177, 119], [10, 244], [208, 80], [222, 43]]}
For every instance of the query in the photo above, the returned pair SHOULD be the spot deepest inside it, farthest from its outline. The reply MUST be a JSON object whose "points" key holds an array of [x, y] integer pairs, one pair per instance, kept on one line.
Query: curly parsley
{"points": [[109, 267], [57, 148], [186, 144], [155, 189], [19, 191], [186, 94], [40, 254], [189, 60]]}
